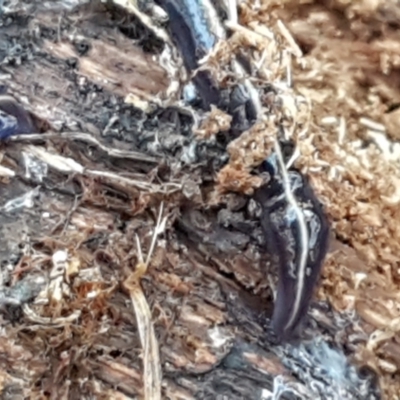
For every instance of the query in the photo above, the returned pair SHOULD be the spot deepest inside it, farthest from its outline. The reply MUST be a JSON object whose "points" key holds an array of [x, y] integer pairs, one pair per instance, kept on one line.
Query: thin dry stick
{"points": [[87, 138], [151, 358], [69, 165], [290, 39]]}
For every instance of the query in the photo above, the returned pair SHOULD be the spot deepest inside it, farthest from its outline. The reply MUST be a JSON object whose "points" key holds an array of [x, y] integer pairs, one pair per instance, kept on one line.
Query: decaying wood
{"points": [[91, 186], [109, 67]]}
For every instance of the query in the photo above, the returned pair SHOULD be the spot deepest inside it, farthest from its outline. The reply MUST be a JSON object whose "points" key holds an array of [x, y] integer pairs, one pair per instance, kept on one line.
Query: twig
{"points": [[130, 5], [232, 11], [159, 228], [168, 187], [87, 138], [289, 38], [68, 165]]}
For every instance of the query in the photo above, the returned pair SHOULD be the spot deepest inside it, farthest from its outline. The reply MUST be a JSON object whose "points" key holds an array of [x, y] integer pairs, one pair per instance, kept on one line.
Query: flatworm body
{"points": [[296, 231], [195, 28]]}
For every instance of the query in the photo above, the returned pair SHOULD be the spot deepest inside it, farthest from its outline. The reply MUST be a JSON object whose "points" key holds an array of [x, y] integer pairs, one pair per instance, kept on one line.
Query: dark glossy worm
{"points": [[296, 231], [194, 35], [195, 27], [295, 227]]}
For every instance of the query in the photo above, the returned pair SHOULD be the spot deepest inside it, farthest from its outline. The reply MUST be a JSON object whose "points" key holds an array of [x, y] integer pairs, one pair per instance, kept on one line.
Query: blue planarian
{"points": [[296, 232]]}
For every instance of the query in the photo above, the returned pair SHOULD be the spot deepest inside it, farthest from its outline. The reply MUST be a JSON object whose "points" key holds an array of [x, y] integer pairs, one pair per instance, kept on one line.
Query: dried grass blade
{"points": [[151, 357]]}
